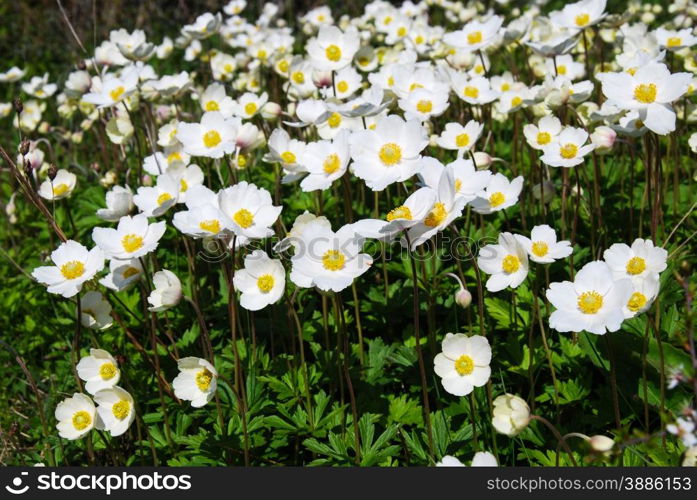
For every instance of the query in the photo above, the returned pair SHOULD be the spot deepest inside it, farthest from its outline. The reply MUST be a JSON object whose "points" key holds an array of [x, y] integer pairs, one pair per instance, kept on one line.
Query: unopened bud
{"points": [[603, 138], [601, 444], [482, 159], [19, 107], [463, 298], [24, 147], [271, 111], [52, 171], [147, 180]]}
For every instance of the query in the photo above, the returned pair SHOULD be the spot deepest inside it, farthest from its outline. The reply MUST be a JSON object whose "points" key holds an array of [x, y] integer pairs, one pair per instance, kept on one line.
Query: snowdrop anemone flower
{"points": [[643, 294], [196, 382], [302, 222], [76, 417], [475, 91], [249, 104], [641, 261], [685, 430], [675, 40], [214, 98], [650, 90], [116, 410], [123, 274], [132, 238], [12, 75], [542, 246], [593, 302], [288, 152], [133, 46], [333, 49], [95, 311], [568, 149], [389, 153], [212, 138], [511, 415], [74, 265], [203, 219], [326, 161], [544, 133], [459, 138], [155, 201], [60, 187], [167, 292], [579, 15], [424, 104], [39, 87], [261, 281], [99, 371], [480, 459], [499, 194], [446, 208], [464, 363], [506, 262], [206, 25], [250, 211], [475, 35], [328, 260], [468, 181], [112, 90]]}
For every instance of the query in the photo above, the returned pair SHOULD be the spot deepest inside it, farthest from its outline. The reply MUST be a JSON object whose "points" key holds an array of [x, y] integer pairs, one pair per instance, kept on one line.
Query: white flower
{"points": [[205, 25], [328, 260], [346, 82], [325, 161], [685, 430], [640, 261], [459, 138], [511, 415], [593, 302], [60, 187], [475, 35], [12, 75], [544, 134], [499, 194], [333, 49], [99, 370], [579, 15], [133, 46], [116, 409], [74, 265], [76, 417], [196, 382], [261, 281], [424, 104], [123, 274], [133, 237], [484, 459], [167, 292], [155, 201], [476, 91], [388, 154], [644, 292], [111, 90], [464, 363], [506, 262], [212, 138], [568, 149], [675, 40], [215, 99], [449, 461], [96, 311], [250, 211], [603, 138], [543, 247], [39, 87], [286, 151], [249, 104]]}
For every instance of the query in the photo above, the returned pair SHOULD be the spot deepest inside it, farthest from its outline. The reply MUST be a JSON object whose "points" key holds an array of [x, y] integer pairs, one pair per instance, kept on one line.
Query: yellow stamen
{"points": [[81, 420], [568, 151], [121, 409], [334, 120], [636, 265], [60, 189], [462, 140], [288, 157], [73, 269], [424, 106], [265, 283], [107, 370], [510, 264], [333, 53], [117, 93], [645, 93], [437, 215], [540, 248], [582, 19], [131, 242], [243, 218], [590, 302], [203, 379], [331, 163], [342, 86], [471, 92], [333, 260], [474, 37], [496, 199], [636, 302], [390, 154], [250, 108], [543, 138], [212, 106], [464, 365], [212, 225], [402, 212], [211, 138], [163, 198]]}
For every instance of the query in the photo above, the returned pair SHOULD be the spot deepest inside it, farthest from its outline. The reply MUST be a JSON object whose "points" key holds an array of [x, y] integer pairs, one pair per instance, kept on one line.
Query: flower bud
{"points": [[463, 298], [601, 444], [146, 181], [482, 160], [271, 111], [603, 138], [52, 171], [511, 414]]}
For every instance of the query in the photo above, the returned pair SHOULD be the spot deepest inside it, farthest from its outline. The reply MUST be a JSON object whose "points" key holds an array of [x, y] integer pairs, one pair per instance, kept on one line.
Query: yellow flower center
{"points": [[333, 53], [131, 271], [261, 54], [60, 189], [561, 69], [288, 157], [415, 86], [212, 225], [331, 163], [283, 66], [516, 101], [107, 370], [183, 185], [424, 106], [121, 409], [298, 77], [496, 199], [73, 269], [636, 302], [172, 157], [334, 120], [342, 86], [228, 68], [645, 93], [462, 140], [81, 420], [582, 19], [674, 41], [505, 87], [590, 302], [457, 185], [212, 106], [436, 216], [203, 379], [387, 20], [419, 40], [243, 218], [636, 265], [402, 31], [510, 264], [568, 151], [390, 154], [333, 260], [474, 37], [464, 365], [265, 283], [250, 108], [540, 248], [402, 212], [471, 92], [211, 138], [163, 198], [543, 138], [390, 81], [117, 93], [131, 242]]}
